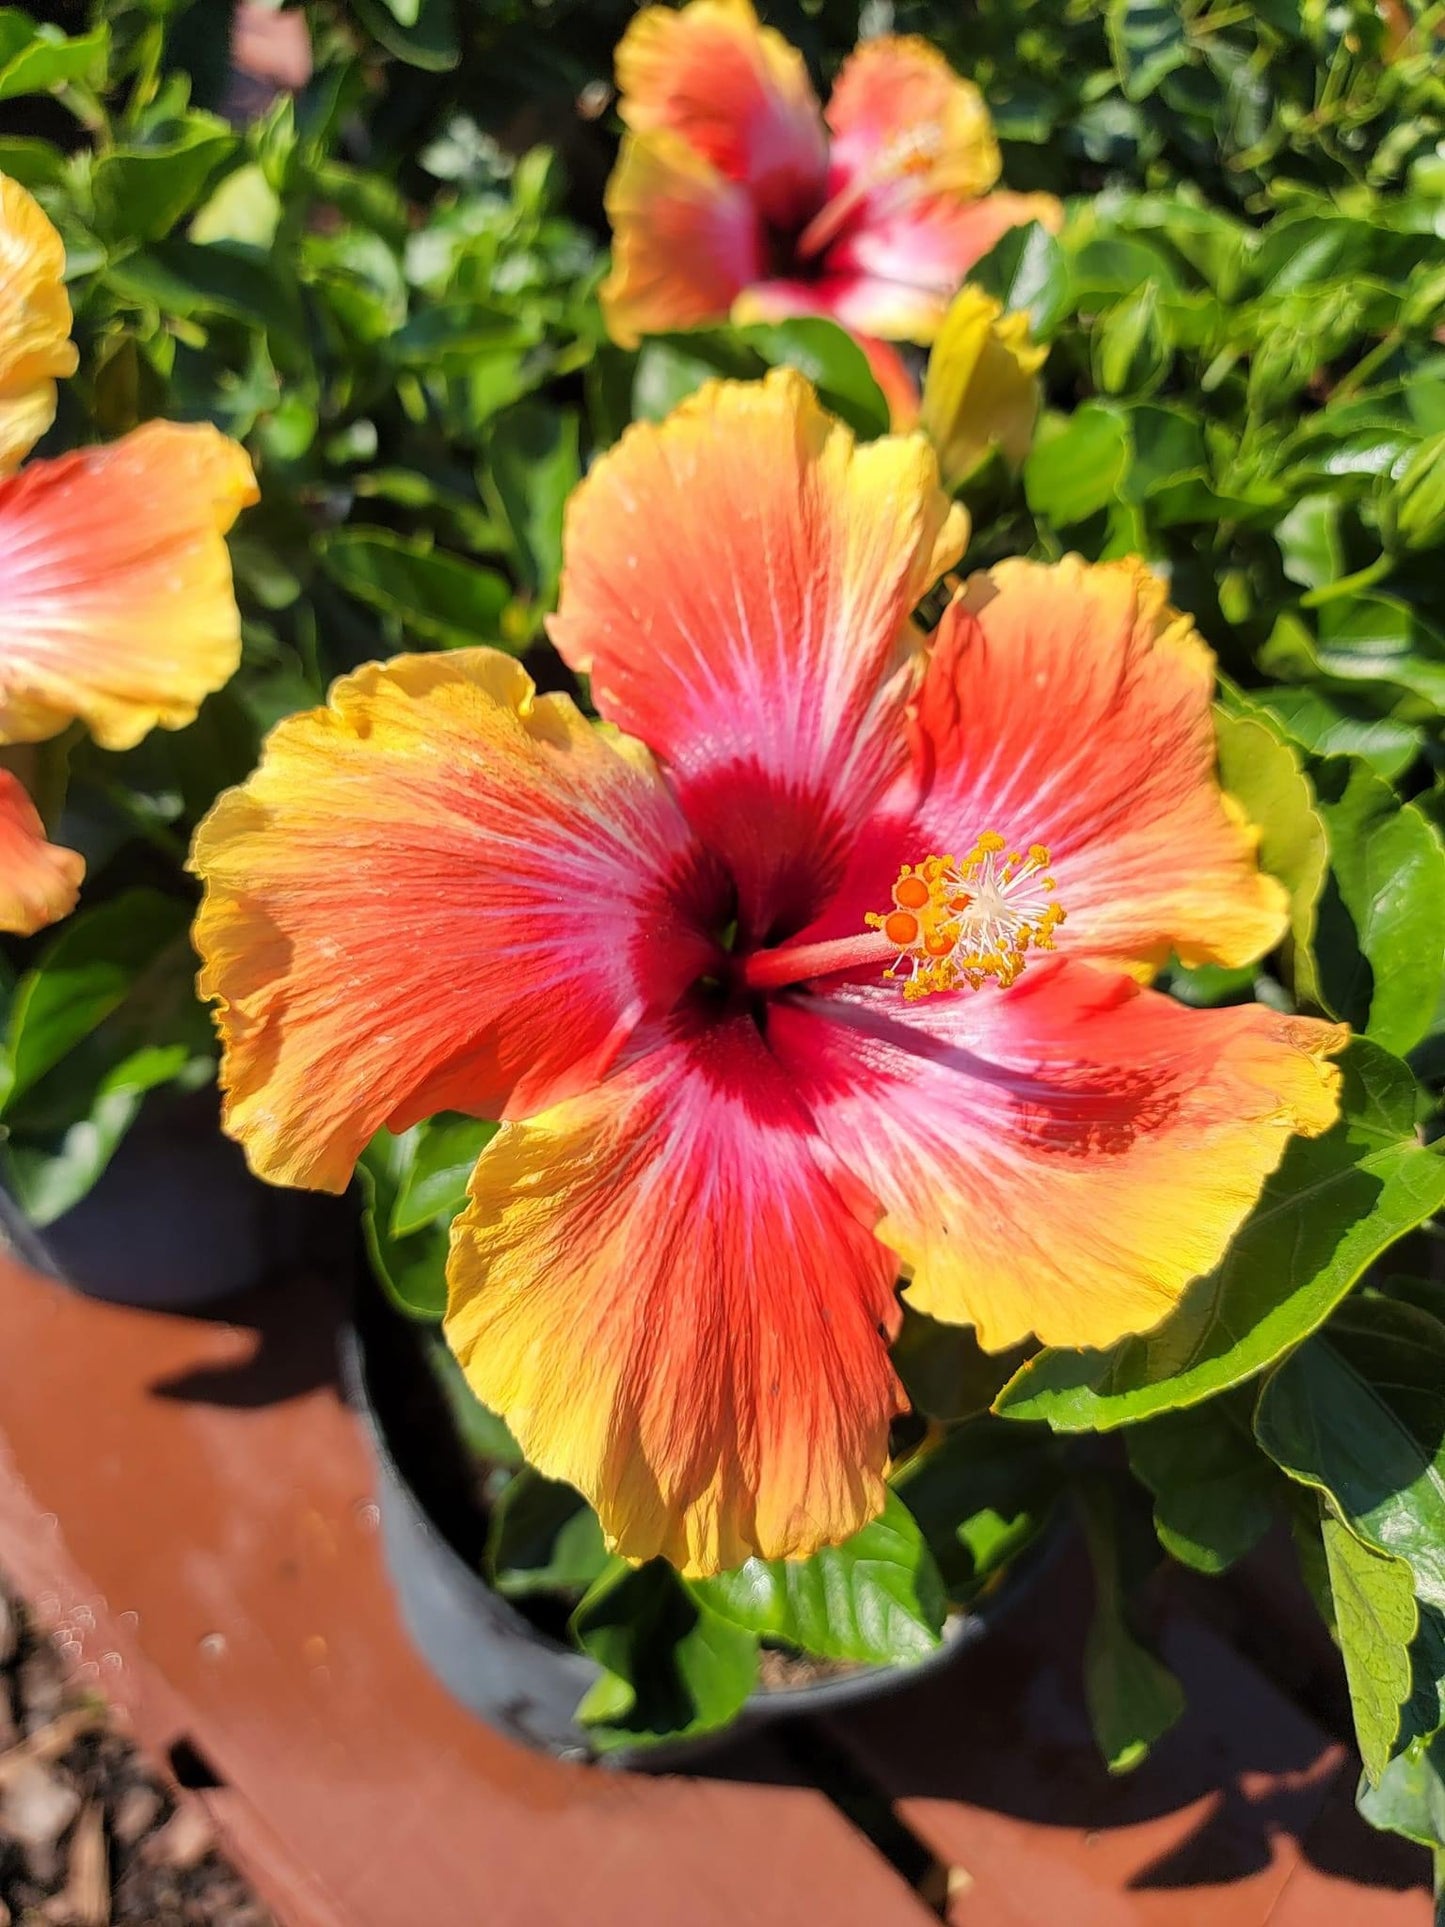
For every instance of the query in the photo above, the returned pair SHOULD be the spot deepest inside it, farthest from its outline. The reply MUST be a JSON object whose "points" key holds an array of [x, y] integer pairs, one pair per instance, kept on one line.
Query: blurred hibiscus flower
{"points": [[833, 966], [116, 606], [736, 194]]}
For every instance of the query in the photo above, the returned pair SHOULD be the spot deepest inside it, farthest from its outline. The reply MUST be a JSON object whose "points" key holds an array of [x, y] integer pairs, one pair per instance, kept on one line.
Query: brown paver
{"points": [[218, 1533], [189, 1498], [1232, 1820]]}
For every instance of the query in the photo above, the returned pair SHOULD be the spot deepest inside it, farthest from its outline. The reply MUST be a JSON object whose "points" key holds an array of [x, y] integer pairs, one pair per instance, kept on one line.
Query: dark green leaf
{"points": [[434, 596], [1132, 1696], [1148, 41], [421, 32], [674, 1668], [543, 1537], [1214, 1491], [669, 368], [98, 959], [831, 360], [945, 1370], [535, 464], [1331, 724], [1359, 1411], [981, 1494], [876, 1597], [1333, 1206]]}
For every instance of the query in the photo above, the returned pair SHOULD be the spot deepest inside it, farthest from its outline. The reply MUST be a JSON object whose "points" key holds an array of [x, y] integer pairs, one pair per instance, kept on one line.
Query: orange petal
{"points": [[738, 582], [39, 882], [684, 240], [736, 92], [1069, 705], [1063, 1157], [441, 892], [900, 90], [673, 1308], [116, 604], [35, 345]]}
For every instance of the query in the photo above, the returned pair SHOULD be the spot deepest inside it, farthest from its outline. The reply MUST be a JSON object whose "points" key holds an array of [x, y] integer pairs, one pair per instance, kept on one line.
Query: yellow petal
{"points": [[35, 344], [981, 390]]}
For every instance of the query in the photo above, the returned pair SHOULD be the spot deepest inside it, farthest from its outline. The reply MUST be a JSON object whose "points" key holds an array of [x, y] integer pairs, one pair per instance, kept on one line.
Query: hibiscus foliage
{"points": [[384, 283]]}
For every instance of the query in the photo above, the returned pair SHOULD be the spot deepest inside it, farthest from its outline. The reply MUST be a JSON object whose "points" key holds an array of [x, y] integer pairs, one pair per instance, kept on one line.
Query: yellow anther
{"points": [[969, 922]]}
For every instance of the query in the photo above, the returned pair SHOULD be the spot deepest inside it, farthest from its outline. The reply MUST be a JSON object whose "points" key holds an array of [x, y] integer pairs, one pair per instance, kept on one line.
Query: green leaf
{"points": [[1265, 777], [1131, 352], [1368, 645], [1147, 39], [423, 33], [98, 960], [1410, 1796], [535, 463], [1375, 1618], [946, 1372], [1028, 270], [669, 368], [1333, 1206], [442, 1155], [37, 59], [1075, 469], [877, 1597], [34, 163], [1214, 1491], [980, 1495], [674, 1668], [108, 1014], [832, 361], [49, 1175], [142, 192], [543, 1537], [1381, 941], [412, 1269], [434, 596], [1359, 1411], [1132, 1696], [1330, 724]]}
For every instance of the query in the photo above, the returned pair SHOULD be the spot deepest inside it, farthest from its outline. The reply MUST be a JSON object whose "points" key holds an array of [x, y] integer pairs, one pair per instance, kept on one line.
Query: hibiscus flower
{"points": [[822, 959], [115, 586], [735, 194]]}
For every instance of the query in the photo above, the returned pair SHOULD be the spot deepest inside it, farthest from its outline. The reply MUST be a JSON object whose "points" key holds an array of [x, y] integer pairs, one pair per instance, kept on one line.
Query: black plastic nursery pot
{"points": [[493, 1659], [175, 1222]]}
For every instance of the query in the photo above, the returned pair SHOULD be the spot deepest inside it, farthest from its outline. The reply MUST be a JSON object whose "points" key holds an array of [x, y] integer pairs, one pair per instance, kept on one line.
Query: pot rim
{"points": [[963, 1627]]}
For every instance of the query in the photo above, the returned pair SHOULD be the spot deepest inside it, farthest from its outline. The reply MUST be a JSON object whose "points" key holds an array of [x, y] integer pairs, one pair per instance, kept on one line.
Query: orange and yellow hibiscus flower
{"points": [[735, 194], [671, 952], [115, 586]]}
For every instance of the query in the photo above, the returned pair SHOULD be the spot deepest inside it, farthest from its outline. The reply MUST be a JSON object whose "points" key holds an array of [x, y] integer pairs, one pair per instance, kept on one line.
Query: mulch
{"points": [[90, 1836]]}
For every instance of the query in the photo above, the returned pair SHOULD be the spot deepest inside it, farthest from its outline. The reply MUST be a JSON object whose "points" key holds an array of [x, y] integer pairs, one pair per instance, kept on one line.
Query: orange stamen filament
{"points": [[971, 921], [911, 153]]}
